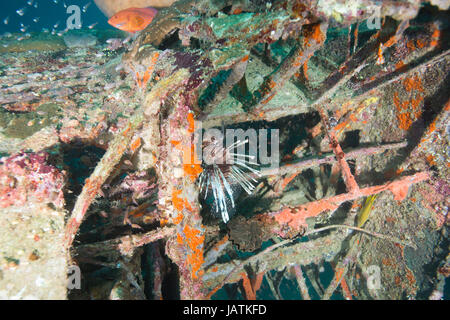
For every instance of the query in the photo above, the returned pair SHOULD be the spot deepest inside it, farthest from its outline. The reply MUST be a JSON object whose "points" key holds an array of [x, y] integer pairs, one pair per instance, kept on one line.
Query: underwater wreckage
{"points": [[99, 172]]}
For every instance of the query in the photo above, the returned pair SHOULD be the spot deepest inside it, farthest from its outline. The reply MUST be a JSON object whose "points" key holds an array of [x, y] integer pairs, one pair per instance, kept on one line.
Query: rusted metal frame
{"points": [[333, 83], [302, 252], [349, 179], [126, 244], [293, 219], [301, 282], [283, 111], [298, 56], [341, 270], [177, 172], [236, 75], [354, 62], [390, 78], [285, 252]]}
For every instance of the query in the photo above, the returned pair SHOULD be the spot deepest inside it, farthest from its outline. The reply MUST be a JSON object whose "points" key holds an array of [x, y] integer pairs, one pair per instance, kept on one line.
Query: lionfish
{"points": [[224, 169]]}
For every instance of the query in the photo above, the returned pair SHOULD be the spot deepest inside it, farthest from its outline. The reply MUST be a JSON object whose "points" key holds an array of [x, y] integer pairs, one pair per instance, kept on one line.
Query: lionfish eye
{"points": [[235, 168]]}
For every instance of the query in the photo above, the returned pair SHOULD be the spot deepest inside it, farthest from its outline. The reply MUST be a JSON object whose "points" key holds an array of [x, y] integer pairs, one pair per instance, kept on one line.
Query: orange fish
{"points": [[133, 19]]}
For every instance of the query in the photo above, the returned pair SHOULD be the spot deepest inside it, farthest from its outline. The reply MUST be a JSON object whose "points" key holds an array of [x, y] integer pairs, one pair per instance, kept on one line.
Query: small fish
{"points": [[56, 25], [21, 11], [365, 210], [86, 6], [92, 25], [30, 2], [45, 30], [6, 20], [133, 19], [55, 1], [35, 5], [36, 20], [23, 28]]}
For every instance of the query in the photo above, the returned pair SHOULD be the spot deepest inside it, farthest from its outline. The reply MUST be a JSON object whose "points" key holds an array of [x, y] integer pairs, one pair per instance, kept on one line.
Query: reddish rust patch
{"points": [[313, 33], [305, 70], [390, 219], [127, 129], [399, 65], [380, 59], [135, 144], [178, 202], [194, 168], [295, 218], [435, 38], [191, 121], [430, 160], [237, 11], [345, 289], [251, 285], [410, 277], [287, 180]]}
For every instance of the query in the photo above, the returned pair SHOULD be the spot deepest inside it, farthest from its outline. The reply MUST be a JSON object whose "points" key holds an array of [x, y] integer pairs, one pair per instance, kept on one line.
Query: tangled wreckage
{"points": [[94, 177]]}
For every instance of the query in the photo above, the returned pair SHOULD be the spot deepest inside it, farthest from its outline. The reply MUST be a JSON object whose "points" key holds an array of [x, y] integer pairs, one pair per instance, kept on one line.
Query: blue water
{"points": [[49, 13]]}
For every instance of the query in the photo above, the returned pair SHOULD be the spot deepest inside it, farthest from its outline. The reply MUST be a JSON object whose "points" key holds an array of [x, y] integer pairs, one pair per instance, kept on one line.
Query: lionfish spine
{"points": [[219, 177]]}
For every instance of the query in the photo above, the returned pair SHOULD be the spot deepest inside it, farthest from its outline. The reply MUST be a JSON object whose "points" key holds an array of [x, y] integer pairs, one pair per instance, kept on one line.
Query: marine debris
{"points": [[358, 91]]}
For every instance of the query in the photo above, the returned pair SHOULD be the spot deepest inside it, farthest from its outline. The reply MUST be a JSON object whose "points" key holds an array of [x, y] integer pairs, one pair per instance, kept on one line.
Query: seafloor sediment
{"points": [[94, 126]]}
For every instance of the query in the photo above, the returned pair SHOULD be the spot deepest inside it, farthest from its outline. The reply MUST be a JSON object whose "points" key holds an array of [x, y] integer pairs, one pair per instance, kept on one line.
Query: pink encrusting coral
{"points": [[28, 176]]}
